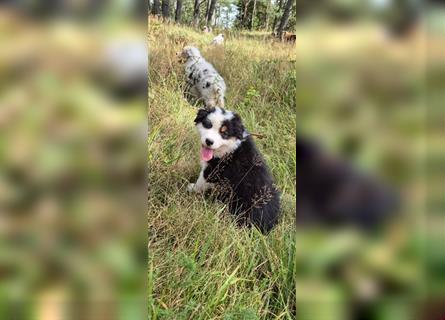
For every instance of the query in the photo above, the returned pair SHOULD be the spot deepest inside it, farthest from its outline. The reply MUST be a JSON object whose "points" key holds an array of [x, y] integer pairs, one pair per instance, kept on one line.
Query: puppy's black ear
{"points": [[237, 127], [202, 114]]}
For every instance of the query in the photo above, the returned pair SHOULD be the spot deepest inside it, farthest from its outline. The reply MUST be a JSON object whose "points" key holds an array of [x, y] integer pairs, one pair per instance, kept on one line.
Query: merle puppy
{"points": [[203, 80], [231, 164], [332, 193]]}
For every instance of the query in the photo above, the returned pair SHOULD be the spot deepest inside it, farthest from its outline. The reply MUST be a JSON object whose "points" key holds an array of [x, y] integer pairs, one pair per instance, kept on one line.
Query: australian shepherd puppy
{"points": [[203, 80], [232, 165]]}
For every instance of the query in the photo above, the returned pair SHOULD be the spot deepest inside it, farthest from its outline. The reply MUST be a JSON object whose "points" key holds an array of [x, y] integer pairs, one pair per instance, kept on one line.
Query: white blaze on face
{"points": [[209, 131]]}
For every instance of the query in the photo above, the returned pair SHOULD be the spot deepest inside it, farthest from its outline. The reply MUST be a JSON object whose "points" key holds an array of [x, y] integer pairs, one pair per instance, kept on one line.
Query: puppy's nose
{"points": [[209, 142]]}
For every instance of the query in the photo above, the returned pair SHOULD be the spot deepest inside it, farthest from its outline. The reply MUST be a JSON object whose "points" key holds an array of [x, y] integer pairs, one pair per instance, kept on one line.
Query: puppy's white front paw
{"points": [[191, 187]]}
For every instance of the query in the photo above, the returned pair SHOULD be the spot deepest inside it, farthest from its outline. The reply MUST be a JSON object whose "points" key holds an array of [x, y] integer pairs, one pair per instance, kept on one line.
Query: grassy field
{"points": [[201, 265]]}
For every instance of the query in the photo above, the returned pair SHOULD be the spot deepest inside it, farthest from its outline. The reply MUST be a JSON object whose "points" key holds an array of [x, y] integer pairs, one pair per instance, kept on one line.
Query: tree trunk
{"points": [[178, 11], [207, 10], [149, 6], [252, 19], [216, 20], [210, 12], [285, 17], [275, 19], [243, 21], [196, 13], [215, 16], [165, 9], [156, 7], [267, 14]]}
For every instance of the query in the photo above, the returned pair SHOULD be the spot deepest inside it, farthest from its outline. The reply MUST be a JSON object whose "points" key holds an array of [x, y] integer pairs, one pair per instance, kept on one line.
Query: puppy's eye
{"points": [[206, 124], [224, 132]]}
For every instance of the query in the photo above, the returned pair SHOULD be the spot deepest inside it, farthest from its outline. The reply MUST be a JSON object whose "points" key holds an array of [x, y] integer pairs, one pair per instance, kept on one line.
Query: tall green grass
{"points": [[201, 266]]}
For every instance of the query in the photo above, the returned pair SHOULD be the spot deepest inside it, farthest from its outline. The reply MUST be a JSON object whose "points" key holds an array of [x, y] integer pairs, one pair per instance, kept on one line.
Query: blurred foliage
{"points": [[364, 94], [71, 177]]}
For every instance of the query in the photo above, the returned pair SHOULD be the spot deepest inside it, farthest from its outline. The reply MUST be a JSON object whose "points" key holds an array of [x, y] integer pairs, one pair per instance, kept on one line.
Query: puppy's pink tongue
{"points": [[206, 154]]}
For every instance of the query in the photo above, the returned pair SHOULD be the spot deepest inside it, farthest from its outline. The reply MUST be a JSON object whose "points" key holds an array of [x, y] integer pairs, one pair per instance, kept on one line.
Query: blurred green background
{"points": [[370, 89], [72, 168]]}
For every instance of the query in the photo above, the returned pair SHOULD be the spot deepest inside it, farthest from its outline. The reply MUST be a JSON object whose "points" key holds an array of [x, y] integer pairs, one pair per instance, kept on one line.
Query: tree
{"points": [[207, 10], [166, 9], [267, 14], [156, 7], [196, 7], [178, 11], [285, 17], [243, 18], [276, 14], [217, 14], [196, 13], [253, 15], [210, 12]]}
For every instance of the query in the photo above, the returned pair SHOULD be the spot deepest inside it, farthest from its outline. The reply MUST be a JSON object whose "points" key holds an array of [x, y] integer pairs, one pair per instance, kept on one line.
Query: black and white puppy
{"points": [[332, 193], [232, 165]]}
